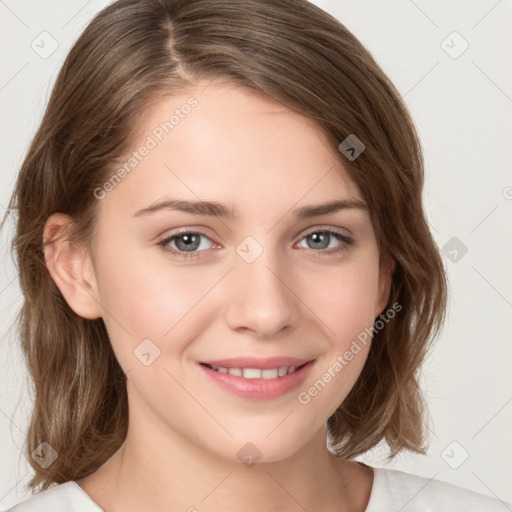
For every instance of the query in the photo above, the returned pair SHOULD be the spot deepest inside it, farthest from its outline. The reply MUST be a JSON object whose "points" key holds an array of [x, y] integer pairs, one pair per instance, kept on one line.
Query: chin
{"points": [[265, 446]]}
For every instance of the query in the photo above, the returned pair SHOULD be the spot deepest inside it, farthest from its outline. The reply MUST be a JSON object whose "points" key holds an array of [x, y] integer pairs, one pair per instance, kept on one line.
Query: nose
{"points": [[262, 302]]}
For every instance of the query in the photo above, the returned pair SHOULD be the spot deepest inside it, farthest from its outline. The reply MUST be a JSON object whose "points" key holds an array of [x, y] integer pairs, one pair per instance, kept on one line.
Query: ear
{"points": [[71, 268], [386, 272]]}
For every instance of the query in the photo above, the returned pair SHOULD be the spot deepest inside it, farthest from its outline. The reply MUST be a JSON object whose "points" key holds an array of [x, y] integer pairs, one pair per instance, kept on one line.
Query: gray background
{"points": [[461, 102]]}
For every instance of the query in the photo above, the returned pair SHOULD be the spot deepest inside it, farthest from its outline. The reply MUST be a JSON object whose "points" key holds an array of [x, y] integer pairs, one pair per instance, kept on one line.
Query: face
{"points": [[233, 319]]}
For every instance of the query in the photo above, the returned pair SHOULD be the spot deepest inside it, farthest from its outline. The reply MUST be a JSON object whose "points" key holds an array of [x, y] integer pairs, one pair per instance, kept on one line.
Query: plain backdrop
{"points": [[452, 63]]}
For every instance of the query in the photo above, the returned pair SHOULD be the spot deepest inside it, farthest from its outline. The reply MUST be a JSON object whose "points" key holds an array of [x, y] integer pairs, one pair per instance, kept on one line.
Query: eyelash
{"points": [[346, 242]]}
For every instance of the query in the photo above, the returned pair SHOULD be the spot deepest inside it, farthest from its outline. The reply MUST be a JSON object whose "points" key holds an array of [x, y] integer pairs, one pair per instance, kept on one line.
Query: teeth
{"points": [[252, 373], [270, 373], [283, 370], [256, 373]]}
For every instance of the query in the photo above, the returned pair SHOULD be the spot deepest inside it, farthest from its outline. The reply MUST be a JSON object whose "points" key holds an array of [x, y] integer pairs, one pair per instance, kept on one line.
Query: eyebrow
{"points": [[214, 208]]}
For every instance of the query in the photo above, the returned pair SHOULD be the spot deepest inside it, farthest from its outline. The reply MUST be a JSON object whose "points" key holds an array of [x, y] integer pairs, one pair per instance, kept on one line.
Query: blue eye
{"points": [[186, 242], [189, 245], [321, 239]]}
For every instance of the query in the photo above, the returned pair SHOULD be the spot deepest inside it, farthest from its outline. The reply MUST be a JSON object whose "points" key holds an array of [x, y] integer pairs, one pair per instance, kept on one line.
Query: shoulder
{"points": [[397, 490], [67, 497]]}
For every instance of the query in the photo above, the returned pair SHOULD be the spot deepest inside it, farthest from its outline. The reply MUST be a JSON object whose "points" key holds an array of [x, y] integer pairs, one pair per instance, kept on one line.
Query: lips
{"points": [[258, 378]]}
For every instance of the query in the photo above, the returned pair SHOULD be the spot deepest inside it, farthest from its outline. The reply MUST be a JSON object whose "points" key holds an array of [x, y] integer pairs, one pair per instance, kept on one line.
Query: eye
{"points": [[322, 239], [185, 244]]}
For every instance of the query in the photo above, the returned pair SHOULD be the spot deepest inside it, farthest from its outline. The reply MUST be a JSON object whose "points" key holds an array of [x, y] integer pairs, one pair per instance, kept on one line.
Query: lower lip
{"points": [[259, 389]]}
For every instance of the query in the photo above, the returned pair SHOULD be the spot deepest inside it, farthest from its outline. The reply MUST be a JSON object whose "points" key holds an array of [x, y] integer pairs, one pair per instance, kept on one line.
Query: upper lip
{"points": [[253, 362]]}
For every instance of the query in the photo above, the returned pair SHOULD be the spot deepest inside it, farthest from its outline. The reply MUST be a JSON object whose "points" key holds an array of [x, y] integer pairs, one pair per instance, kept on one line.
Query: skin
{"points": [[184, 432]]}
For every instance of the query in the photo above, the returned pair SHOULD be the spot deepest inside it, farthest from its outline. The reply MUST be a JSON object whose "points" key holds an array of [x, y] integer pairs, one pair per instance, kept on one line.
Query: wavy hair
{"points": [[131, 55]]}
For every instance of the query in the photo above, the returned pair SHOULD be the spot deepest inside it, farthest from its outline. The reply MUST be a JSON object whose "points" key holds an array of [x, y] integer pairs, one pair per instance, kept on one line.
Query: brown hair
{"points": [[132, 54]]}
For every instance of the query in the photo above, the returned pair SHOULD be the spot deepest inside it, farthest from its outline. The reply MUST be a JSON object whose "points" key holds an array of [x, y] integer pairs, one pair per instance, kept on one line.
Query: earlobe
{"points": [[70, 267], [385, 279]]}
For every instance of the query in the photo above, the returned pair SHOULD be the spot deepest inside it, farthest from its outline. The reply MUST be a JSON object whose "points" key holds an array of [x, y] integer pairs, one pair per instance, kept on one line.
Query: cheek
{"points": [[345, 303], [345, 299], [154, 300]]}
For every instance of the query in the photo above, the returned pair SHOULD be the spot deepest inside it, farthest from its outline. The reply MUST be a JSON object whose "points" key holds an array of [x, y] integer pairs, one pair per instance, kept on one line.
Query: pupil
{"points": [[320, 240], [188, 242]]}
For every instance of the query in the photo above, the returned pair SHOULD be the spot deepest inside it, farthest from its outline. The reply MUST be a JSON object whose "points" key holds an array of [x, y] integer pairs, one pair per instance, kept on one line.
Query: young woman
{"points": [[229, 281]]}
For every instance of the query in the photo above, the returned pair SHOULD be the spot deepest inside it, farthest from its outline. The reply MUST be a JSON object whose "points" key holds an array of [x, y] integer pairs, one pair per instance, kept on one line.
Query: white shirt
{"points": [[392, 491]]}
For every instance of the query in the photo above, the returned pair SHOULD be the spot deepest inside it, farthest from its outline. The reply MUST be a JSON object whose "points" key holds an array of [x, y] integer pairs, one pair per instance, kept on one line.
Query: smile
{"points": [[258, 379], [256, 373]]}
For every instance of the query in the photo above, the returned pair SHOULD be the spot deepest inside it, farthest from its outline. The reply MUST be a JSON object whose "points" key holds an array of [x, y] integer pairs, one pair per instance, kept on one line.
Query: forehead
{"points": [[225, 143]]}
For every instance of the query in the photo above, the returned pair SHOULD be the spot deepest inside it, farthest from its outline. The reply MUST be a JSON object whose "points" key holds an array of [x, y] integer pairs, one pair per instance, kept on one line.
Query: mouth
{"points": [[256, 373], [258, 379]]}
